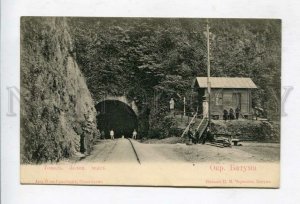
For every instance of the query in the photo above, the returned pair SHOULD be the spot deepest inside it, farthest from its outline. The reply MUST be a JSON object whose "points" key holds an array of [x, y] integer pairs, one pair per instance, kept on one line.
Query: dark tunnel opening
{"points": [[118, 116]]}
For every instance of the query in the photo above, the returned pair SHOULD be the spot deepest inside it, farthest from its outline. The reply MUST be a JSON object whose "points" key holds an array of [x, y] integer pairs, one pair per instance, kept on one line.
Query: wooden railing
{"points": [[188, 126]]}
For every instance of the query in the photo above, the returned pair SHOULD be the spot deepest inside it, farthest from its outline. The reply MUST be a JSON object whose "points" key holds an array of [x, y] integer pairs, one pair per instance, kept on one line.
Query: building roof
{"points": [[226, 82]]}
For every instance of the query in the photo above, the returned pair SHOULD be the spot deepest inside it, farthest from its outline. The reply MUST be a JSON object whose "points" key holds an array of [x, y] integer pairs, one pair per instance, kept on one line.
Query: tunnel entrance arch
{"points": [[117, 115]]}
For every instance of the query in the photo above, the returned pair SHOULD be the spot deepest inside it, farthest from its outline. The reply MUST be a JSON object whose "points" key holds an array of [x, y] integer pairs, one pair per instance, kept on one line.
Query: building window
{"points": [[219, 98]]}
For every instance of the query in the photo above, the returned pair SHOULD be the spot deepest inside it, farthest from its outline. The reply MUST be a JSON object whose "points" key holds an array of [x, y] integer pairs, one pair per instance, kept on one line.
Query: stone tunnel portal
{"points": [[116, 115]]}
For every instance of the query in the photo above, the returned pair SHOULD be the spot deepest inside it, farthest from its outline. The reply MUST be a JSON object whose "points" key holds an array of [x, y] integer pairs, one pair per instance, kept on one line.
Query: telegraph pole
{"points": [[208, 74]]}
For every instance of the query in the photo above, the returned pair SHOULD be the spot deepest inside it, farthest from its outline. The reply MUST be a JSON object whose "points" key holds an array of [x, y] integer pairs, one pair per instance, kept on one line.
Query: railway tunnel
{"points": [[118, 116]]}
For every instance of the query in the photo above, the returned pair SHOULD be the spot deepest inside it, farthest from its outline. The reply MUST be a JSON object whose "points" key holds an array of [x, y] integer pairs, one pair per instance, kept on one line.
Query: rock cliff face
{"points": [[58, 118]]}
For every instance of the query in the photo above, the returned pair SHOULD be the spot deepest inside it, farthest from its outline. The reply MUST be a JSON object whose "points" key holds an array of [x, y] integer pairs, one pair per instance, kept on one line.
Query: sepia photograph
{"points": [[150, 101]]}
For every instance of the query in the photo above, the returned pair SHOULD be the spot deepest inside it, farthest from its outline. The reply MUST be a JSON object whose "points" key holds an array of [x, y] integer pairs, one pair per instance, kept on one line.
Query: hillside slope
{"points": [[152, 60]]}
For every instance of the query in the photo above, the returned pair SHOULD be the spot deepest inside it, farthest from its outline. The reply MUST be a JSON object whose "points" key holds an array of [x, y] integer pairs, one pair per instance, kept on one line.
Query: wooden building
{"points": [[226, 93]]}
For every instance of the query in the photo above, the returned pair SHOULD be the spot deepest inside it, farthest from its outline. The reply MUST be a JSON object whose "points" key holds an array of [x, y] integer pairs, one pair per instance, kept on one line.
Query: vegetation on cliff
{"points": [[155, 59], [57, 110]]}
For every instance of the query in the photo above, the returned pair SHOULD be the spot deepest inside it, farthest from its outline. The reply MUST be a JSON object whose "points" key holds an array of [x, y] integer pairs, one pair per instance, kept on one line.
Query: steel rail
{"points": [[134, 150]]}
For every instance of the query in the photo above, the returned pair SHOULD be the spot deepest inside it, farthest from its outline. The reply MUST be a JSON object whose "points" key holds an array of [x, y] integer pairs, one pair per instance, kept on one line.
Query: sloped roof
{"points": [[226, 82]]}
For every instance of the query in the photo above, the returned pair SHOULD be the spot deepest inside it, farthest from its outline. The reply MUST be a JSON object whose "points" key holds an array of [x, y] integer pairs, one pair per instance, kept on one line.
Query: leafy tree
{"points": [[153, 59]]}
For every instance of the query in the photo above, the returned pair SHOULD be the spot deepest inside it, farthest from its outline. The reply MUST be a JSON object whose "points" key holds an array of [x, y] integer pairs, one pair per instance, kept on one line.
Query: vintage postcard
{"points": [[187, 102]]}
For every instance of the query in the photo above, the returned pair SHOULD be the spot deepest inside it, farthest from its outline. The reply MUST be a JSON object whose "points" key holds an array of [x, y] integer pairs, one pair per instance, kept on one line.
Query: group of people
{"points": [[112, 134], [231, 115]]}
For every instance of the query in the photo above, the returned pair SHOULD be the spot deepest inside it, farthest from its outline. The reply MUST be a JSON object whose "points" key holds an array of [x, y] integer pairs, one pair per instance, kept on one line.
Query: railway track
{"points": [[110, 151], [114, 151], [135, 152]]}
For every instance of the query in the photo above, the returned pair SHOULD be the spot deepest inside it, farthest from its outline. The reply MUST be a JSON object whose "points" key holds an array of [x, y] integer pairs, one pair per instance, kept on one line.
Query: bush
{"points": [[175, 132], [162, 128], [154, 133], [248, 130]]}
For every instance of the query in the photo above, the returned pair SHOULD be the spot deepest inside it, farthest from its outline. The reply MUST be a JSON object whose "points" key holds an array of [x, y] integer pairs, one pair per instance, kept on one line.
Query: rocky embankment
{"points": [[252, 130], [58, 118]]}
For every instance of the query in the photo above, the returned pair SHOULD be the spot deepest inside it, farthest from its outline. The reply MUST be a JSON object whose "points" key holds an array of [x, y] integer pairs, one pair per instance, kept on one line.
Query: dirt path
{"points": [[123, 152], [156, 152], [202, 153], [120, 150]]}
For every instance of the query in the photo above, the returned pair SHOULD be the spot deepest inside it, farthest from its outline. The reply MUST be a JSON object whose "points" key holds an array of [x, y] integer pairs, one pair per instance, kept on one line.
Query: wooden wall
{"points": [[227, 98]]}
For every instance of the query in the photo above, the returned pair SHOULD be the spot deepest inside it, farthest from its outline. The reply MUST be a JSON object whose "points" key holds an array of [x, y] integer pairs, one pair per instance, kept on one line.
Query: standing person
{"points": [[225, 115], [134, 134], [205, 108], [82, 143], [112, 134], [231, 114], [207, 136], [237, 113], [83, 137], [197, 136], [190, 135]]}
